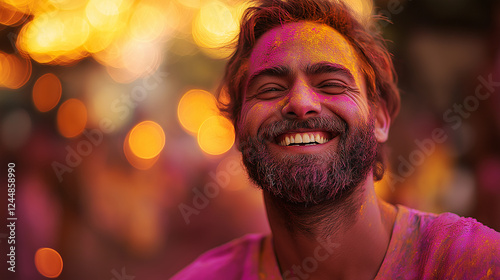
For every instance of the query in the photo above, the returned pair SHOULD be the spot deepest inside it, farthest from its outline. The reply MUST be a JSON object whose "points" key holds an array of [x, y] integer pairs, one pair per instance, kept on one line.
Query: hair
{"points": [[373, 58]]}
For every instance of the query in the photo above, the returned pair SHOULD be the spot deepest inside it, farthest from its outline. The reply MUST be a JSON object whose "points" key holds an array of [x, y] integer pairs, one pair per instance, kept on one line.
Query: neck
{"points": [[345, 238]]}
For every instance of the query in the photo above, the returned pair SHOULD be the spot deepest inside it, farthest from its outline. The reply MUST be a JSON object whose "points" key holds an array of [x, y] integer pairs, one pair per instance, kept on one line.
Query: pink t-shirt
{"points": [[422, 246]]}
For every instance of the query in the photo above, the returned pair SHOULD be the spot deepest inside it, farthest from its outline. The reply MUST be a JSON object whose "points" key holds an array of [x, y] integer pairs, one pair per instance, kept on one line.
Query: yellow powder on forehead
{"points": [[319, 42]]}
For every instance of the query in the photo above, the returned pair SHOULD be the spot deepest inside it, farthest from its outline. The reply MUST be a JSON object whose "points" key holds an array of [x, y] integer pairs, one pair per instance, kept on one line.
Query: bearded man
{"points": [[312, 94]]}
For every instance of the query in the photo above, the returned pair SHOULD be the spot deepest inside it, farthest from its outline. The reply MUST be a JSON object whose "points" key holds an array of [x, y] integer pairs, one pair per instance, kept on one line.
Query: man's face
{"points": [[306, 129]]}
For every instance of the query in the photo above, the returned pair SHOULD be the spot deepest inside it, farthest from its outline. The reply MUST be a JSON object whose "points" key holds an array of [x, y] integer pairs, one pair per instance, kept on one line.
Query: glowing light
{"points": [[137, 162], [16, 70], [22, 74], [41, 33], [147, 23], [4, 67], [103, 14], [71, 118], [10, 16], [111, 55], [141, 57], [24, 6], [174, 19], [99, 40], [194, 108], [147, 139], [122, 34], [213, 28], [67, 4], [55, 36], [47, 92], [190, 3], [48, 262], [362, 8], [121, 75], [216, 135]]}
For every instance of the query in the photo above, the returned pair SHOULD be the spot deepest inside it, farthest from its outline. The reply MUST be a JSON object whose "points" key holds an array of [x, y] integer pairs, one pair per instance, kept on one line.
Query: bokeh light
{"points": [[55, 37], [135, 161], [48, 262], [216, 135], [15, 70], [106, 14], [9, 15], [363, 8], [71, 118], [115, 34], [5, 67], [147, 23], [147, 139], [194, 108], [214, 27], [190, 3], [47, 92]]}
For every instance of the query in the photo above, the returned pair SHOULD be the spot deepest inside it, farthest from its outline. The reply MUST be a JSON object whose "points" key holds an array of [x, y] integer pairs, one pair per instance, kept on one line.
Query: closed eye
{"points": [[334, 87], [270, 91]]}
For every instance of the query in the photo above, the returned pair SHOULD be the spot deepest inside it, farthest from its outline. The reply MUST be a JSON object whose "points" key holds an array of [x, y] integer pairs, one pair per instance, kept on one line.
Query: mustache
{"points": [[332, 124]]}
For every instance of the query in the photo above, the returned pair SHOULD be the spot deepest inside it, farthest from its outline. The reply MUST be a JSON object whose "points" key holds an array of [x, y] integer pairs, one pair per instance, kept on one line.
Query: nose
{"points": [[302, 102]]}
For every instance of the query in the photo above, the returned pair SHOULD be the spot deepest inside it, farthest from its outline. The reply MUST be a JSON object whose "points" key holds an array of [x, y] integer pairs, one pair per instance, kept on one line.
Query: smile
{"points": [[303, 138]]}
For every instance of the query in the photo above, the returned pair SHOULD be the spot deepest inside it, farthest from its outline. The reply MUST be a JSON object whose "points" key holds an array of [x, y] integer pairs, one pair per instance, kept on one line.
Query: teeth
{"points": [[298, 138], [303, 138], [306, 139]]}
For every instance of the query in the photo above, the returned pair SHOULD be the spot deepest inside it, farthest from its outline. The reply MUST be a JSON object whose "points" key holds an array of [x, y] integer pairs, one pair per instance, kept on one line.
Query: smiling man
{"points": [[312, 95]]}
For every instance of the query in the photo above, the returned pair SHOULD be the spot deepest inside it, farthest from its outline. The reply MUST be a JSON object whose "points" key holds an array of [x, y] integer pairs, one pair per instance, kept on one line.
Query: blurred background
{"points": [[125, 168]]}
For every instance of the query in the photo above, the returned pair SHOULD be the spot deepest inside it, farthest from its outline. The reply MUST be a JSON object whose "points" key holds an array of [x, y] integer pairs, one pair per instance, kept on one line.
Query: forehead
{"points": [[299, 44]]}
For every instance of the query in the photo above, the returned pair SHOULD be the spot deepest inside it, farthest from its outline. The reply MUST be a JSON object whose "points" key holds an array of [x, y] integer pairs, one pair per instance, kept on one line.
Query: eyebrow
{"points": [[327, 67], [314, 69], [277, 71]]}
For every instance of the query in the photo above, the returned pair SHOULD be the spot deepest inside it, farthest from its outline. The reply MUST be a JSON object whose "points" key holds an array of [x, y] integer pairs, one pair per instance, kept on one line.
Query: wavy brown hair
{"points": [[374, 59]]}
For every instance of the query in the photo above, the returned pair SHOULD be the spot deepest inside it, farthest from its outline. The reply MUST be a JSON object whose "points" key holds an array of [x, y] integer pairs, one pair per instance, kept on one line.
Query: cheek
{"points": [[254, 116], [349, 108]]}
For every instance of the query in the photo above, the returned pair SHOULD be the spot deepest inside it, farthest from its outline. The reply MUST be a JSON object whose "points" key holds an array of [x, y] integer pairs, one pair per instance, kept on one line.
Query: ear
{"points": [[382, 122]]}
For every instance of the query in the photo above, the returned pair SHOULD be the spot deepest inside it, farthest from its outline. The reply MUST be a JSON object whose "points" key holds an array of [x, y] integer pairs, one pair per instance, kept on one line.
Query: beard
{"points": [[311, 178]]}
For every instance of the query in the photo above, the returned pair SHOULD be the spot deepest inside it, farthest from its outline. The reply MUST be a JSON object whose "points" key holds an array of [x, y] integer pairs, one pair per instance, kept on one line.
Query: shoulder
{"points": [[458, 247], [232, 260]]}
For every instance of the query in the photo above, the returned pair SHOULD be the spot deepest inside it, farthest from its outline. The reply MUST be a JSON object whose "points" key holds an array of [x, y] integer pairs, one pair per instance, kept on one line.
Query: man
{"points": [[312, 95]]}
